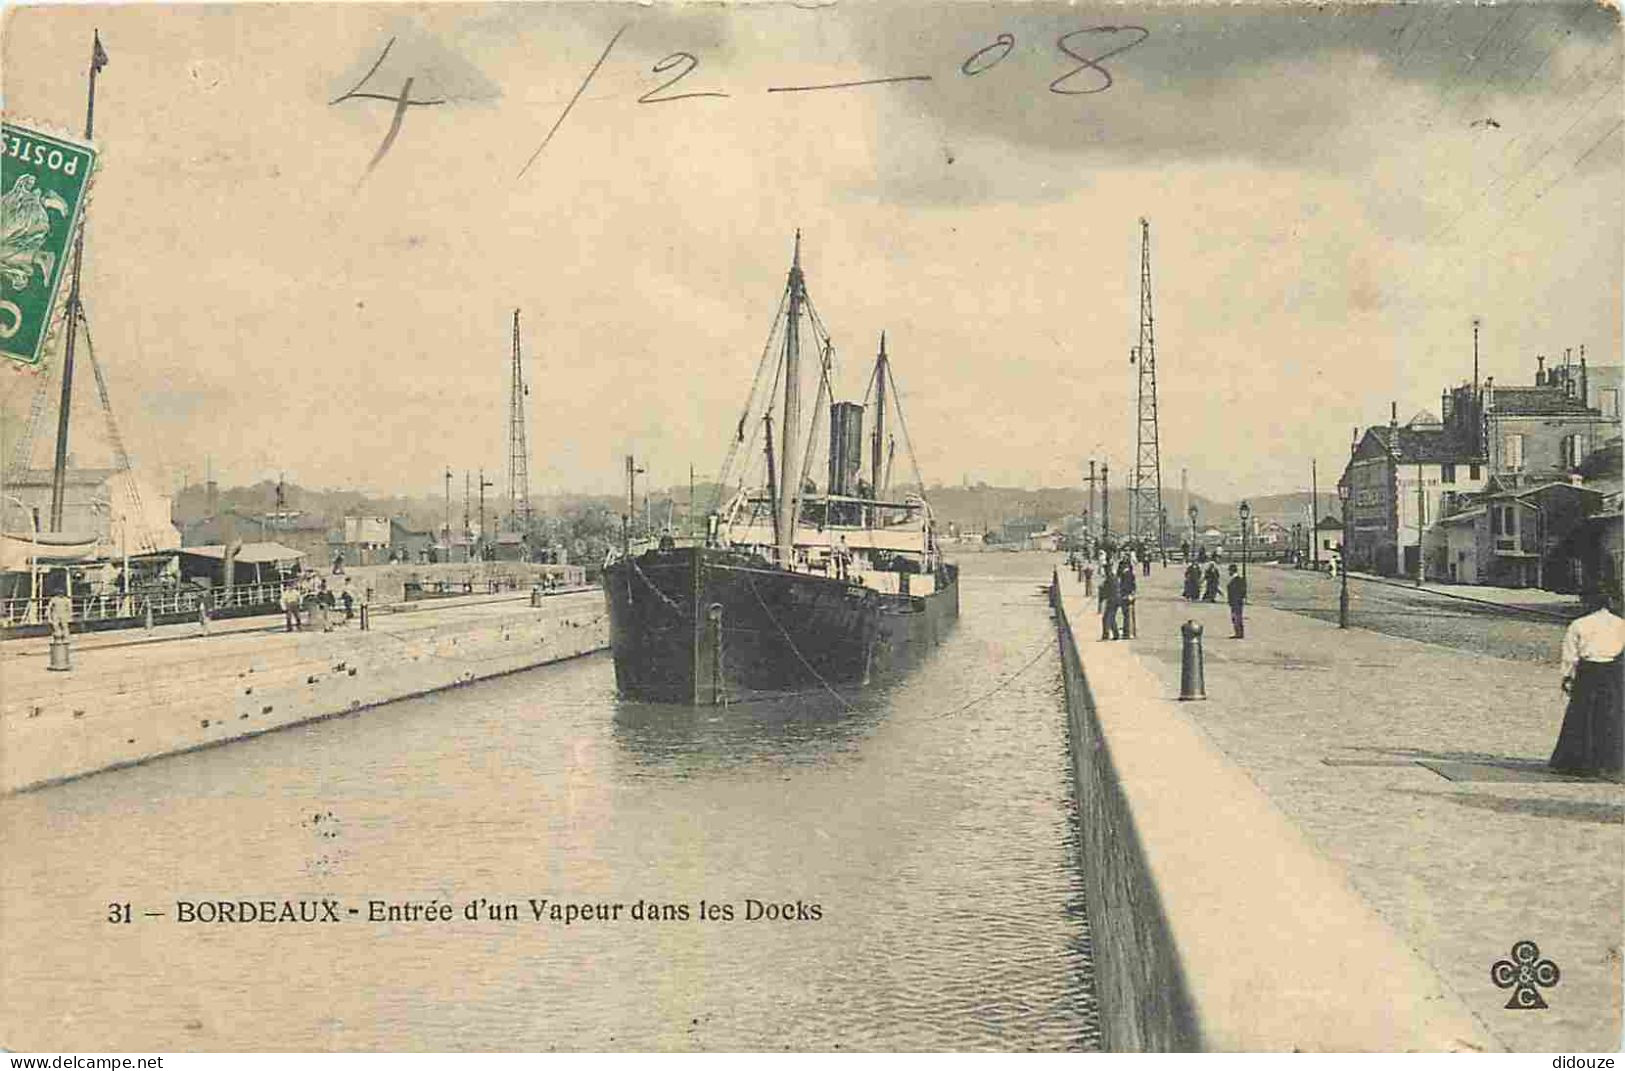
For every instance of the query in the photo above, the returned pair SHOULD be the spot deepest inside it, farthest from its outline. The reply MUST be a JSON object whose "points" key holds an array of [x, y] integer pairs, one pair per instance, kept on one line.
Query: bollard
{"points": [[59, 656], [1191, 685], [365, 623], [147, 623]]}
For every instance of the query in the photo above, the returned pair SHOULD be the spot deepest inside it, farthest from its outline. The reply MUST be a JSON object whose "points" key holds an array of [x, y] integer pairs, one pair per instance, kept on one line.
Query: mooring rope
{"points": [[793, 648], [633, 562], [1043, 649]]}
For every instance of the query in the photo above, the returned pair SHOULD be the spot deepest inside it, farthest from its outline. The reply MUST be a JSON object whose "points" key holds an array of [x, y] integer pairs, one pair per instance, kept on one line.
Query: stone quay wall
{"points": [[1144, 1002], [126, 703]]}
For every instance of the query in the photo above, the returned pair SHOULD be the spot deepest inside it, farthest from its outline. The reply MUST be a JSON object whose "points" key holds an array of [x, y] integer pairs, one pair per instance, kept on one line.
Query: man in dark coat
{"points": [[1125, 595], [1193, 582], [1236, 590], [1210, 582], [1108, 604]]}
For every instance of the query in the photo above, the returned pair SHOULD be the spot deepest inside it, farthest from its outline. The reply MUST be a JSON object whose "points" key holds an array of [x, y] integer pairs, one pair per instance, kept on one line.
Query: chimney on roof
{"points": [[1585, 395], [1393, 414], [1540, 370], [1354, 439], [1475, 355]]}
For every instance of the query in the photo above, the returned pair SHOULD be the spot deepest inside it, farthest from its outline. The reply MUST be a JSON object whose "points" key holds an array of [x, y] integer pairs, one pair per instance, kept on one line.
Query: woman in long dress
{"points": [[1591, 741]]}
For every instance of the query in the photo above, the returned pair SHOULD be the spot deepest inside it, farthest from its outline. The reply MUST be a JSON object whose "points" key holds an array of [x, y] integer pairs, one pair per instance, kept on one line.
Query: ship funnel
{"points": [[845, 447]]}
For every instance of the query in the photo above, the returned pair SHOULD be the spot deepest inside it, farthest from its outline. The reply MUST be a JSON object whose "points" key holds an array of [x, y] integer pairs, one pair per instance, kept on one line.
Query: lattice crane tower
{"points": [[518, 452], [1145, 493]]}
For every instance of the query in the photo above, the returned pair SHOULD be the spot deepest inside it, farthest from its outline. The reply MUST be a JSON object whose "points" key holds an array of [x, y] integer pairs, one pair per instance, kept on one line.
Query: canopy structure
{"points": [[248, 554]]}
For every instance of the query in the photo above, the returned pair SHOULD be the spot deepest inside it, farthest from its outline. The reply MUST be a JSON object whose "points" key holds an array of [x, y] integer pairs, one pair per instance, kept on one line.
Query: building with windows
{"points": [[1401, 479], [374, 540], [1534, 523], [1533, 433], [1517, 537]]}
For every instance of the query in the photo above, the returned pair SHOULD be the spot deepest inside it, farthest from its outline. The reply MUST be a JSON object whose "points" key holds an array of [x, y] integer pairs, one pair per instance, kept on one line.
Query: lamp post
{"points": [[1246, 511], [1343, 564], [1192, 512]]}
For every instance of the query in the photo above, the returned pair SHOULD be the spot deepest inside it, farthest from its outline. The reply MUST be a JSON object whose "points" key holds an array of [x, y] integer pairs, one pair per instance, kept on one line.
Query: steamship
{"points": [[789, 589]]}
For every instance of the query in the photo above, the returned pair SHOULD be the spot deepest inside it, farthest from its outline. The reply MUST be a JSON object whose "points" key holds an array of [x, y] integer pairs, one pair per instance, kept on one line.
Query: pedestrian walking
{"points": [[1108, 605], [1193, 582], [312, 605], [324, 607], [290, 609], [1210, 582], [349, 603], [1591, 741], [1236, 591], [1145, 561], [1088, 570], [1125, 595], [338, 563]]}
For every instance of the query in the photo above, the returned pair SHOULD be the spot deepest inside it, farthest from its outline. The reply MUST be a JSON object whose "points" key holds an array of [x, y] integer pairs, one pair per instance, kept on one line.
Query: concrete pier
{"points": [[133, 696], [1218, 924]]}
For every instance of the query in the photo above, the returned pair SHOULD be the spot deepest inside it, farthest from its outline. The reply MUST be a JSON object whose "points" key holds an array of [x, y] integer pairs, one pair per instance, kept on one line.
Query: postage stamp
{"points": [[44, 178]]}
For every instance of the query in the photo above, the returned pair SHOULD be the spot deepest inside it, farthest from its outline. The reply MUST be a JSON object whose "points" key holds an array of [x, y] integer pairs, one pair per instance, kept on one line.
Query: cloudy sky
{"points": [[1334, 194]]}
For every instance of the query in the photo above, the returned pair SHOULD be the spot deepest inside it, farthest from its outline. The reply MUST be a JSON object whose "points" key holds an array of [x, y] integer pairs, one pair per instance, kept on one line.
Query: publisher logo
{"points": [[1526, 974]]}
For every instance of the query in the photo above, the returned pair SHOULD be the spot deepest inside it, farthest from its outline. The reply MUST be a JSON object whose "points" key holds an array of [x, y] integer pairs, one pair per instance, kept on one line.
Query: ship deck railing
{"points": [[133, 605]]}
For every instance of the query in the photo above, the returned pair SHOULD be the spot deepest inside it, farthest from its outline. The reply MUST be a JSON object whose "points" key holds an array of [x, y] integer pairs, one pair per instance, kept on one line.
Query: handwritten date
{"points": [[1084, 51]]}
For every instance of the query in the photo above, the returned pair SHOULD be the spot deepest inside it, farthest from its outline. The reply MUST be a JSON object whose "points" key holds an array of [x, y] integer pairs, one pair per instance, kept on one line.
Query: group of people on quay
{"points": [[309, 598], [1115, 593], [1202, 579]]}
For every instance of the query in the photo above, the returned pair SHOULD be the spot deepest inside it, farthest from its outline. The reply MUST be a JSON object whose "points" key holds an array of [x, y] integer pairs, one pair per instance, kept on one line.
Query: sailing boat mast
{"points": [[59, 471], [789, 480]]}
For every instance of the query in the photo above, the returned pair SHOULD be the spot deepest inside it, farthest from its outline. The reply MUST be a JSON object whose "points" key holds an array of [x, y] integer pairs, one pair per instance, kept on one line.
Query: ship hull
{"points": [[697, 625]]}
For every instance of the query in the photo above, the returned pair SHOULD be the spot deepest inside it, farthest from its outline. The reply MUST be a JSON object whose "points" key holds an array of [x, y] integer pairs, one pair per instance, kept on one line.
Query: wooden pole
{"points": [[59, 468]]}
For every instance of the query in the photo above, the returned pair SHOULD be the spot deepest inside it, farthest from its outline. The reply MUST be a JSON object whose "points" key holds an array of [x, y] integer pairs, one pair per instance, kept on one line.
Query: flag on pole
{"points": [[98, 55]]}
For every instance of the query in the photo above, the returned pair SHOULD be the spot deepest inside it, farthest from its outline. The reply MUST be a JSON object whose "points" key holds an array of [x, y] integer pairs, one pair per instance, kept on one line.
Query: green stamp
{"points": [[43, 180]]}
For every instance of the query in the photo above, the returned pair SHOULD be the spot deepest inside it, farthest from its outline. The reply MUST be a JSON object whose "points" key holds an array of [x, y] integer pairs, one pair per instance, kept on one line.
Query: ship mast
{"points": [[882, 372], [789, 480], [59, 471]]}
